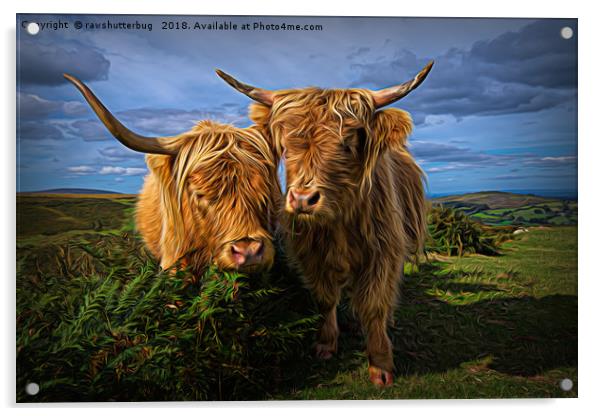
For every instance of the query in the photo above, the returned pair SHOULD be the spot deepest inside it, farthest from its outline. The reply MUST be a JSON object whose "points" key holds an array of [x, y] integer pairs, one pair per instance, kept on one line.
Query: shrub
{"points": [[453, 233], [102, 322]]}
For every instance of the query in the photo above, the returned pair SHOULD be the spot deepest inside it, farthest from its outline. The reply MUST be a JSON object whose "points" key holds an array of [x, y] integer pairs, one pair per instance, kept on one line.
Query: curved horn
{"points": [[258, 94], [389, 95], [157, 145]]}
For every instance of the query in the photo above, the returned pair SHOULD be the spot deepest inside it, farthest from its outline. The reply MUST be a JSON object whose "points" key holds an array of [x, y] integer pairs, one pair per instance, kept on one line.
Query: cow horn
{"points": [[389, 95], [258, 94], [157, 145]]}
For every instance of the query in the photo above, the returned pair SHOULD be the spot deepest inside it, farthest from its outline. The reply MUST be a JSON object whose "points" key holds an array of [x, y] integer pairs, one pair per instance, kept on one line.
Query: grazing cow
{"points": [[355, 205], [210, 196]]}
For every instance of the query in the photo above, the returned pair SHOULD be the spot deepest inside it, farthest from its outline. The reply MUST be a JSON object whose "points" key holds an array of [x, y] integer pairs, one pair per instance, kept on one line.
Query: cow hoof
{"points": [[324, 352], [380, 377]]}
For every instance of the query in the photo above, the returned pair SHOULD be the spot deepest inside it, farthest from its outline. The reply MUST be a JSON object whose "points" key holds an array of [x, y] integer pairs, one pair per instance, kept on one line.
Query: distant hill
{"points": [[506, 208], [495, 199], [76, 191]]}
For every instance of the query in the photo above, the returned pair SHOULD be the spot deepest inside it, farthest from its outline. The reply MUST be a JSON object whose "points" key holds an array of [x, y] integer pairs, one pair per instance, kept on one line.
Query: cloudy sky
{"points": [[497, 112]]}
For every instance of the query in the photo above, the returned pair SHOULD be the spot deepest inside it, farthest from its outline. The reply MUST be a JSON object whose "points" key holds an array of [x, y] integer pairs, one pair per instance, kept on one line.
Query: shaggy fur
{"points": [[371, 214], [220, 187]]}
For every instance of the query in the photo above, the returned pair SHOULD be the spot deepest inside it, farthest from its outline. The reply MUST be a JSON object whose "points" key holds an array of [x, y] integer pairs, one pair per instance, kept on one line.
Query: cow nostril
{"points": [[235, 249], [292, 198], [258, 252], [247, 251], [238, 255], [313, 200]]}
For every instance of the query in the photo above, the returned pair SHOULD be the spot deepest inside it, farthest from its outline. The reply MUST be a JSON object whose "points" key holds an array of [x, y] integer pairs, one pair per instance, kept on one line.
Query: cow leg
{"points": [[373, 303], [327, 294], [328, 334]]}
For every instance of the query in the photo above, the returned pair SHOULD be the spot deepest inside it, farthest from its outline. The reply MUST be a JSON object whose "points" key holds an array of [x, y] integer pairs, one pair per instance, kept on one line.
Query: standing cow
{"points": [[210, 196], [355, 205]]}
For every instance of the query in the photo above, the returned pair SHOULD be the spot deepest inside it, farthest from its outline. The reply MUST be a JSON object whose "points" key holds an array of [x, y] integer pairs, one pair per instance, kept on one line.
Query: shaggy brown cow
{"points": [[355, 206], [210, 196]]}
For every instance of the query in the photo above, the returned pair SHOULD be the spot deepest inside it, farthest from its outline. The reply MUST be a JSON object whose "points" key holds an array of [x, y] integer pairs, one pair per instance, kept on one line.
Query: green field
{"points": [[476, 326], [503, 208], [466, 327]]}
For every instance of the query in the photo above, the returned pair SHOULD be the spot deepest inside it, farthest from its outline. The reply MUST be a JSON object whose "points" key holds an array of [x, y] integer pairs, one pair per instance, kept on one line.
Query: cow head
{"points": [[216, 186], [330, 140]]}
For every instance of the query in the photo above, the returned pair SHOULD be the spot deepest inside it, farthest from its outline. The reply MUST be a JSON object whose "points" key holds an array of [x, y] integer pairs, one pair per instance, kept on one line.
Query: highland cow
{"points": [[210, 196], [355, 205]]}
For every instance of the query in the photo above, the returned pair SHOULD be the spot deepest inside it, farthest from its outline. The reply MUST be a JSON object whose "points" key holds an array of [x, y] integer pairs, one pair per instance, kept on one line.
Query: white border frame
{"points": [[589, 195]]}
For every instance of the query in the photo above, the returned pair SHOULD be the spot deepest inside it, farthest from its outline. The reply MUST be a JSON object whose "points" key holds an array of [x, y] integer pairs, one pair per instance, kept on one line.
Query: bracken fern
{"points": [[121, 329]]}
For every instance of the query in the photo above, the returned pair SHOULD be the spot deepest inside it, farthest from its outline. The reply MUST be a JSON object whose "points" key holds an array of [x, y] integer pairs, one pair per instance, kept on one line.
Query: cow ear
{"points": [[161, 166], [388, 130], [391, 127], [260, 115]]}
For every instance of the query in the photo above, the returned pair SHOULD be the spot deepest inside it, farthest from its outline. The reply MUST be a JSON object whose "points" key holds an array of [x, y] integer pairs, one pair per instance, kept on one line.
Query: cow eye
{"points": [[361, 137], [200, 198], [355, 141]]}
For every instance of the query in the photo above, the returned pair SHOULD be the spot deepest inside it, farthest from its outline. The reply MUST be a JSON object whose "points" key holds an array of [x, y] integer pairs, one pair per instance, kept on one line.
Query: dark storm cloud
{"points": [[510, 177], [90, 131], [438, 152], [358, 52], [174, 121], [32, 106], [33, 130], [529, 70], [478, 71], [119, 153], [44, 64], [158, 122], [535, 55], [447, 157]]}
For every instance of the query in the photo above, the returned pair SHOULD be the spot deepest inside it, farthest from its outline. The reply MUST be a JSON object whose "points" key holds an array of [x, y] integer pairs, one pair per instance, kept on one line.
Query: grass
{"points": [[51, 215], [466, 327], [475, 326]]}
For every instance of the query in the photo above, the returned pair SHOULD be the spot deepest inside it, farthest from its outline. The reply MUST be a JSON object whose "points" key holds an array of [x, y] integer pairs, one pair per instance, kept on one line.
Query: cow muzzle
{"points": [[248, 254], [302, 200]]}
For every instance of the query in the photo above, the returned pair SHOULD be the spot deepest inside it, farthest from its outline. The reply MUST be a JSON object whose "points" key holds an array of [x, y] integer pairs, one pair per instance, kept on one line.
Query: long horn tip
{"points": [[75, 81], [421, 76], [427, 67], [223, 75], [260, 95]]}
